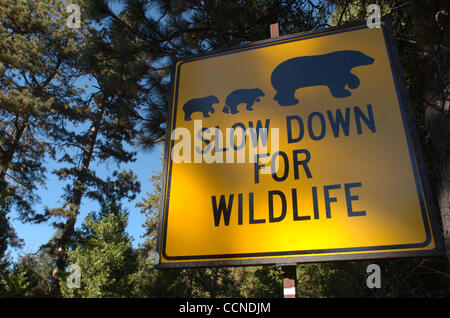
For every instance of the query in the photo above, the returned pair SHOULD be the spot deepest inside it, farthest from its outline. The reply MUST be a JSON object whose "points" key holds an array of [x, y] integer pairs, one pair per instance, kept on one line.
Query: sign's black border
{"points": [[292, 257]]}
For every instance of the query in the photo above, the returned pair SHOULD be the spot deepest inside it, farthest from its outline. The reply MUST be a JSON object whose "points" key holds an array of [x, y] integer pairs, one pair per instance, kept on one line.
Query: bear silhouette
{"points": [[242, 96], [203, 105], [332, 70]]}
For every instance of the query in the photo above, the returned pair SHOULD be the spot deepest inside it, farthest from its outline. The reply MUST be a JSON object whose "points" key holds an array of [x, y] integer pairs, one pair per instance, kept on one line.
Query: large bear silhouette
{"points": [[240, 96], [332, 70], [203, 105]]}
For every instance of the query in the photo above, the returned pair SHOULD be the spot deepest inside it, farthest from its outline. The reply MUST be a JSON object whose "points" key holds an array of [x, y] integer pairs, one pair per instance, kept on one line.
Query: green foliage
{"points": [[399, 278], [211, 282], [8, 236], [103, 129], [36, 55], [4, 275], [262, 282], [150, 282], [36, 50], [29, 277], [104, 254]]}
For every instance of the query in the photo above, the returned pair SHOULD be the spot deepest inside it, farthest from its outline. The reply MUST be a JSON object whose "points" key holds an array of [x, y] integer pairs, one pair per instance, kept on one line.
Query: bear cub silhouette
{"points": [[203, 105], [332, 70], [242, 96]]}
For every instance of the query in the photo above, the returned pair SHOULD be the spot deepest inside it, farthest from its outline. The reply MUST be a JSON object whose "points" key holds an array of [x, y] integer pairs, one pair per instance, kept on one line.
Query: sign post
{"points": [[295, 149], [289, 281], [289, 271], [274, 30]]}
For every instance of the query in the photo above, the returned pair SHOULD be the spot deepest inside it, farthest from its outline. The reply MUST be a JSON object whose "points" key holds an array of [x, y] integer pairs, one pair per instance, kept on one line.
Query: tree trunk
{"points": [[437, 121], [74, 204], [438, 127], [8, 156]]}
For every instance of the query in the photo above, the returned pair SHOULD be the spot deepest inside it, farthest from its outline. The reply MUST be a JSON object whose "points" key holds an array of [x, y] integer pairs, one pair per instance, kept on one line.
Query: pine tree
{"points": [[104, 131], [104, 255], [30, 276], [36, 82], [36, 52]]}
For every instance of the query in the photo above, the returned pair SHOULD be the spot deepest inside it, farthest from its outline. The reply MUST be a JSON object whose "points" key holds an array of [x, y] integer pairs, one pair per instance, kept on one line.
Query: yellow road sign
{"points": [[292, 150]]}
